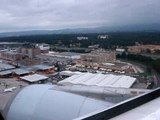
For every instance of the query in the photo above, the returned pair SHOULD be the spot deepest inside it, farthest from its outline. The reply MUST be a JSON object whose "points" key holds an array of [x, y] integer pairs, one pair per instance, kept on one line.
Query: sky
{"points": [[23, 15]]}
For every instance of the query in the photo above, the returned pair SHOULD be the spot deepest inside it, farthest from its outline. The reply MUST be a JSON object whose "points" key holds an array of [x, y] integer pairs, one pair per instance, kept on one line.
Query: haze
{"points": [[21, 15]]}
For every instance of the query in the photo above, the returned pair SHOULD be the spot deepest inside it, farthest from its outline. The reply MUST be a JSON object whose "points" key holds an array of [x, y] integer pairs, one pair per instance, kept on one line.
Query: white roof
{"points": [[120, 50], [42, 102], [100, 80], [34, 78]]}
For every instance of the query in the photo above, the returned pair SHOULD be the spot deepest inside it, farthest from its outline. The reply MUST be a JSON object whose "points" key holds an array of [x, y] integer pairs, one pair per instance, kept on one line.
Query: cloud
{"points": [[18, 15]]}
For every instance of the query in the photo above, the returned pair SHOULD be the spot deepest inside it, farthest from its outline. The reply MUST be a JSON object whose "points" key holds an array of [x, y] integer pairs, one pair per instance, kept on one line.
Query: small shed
{"points": [[35, 78]]}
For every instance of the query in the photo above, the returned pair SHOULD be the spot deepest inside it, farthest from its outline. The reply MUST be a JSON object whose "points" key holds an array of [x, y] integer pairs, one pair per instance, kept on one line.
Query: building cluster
{"points": [[60, 57], [144, 49], [24, 55], [103, 37], [20, 54], [44, 48], [82, 38], [23, 72], [101, 61], [12, 56], [90, 91], [96, 46]]}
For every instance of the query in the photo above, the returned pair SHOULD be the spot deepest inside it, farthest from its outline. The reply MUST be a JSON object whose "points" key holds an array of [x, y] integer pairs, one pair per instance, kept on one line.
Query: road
{"points": [[156, 78]]}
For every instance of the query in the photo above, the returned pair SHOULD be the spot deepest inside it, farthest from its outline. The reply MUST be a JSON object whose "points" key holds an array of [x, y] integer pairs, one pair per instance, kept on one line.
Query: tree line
{"points": [[114, 40], [148, 61]]}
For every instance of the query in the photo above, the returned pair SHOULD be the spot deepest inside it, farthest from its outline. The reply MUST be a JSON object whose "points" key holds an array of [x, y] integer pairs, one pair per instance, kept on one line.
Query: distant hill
{"points": [[127, 28]]}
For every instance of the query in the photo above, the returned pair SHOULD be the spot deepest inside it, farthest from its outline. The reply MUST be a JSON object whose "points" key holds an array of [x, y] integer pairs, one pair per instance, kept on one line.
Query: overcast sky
{"points": [[17, 15]]}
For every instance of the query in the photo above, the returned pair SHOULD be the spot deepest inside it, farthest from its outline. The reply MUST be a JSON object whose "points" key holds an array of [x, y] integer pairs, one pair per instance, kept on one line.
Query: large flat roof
{"points": [[110, 80], [34, 78]]}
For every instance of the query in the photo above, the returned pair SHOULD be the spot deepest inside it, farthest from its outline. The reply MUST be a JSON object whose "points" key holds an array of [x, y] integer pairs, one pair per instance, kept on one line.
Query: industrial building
{"points": [[26, 70], [118, 67], [143, 49], [99, 56], [70, 55], [101, 80], [30, 52], [54, 57], [12, 56], [45, 58], [20, 54]]}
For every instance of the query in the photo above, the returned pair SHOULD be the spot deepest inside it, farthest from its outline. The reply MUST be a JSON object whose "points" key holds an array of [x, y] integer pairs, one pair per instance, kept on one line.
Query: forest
{"points": [[115, 39]]}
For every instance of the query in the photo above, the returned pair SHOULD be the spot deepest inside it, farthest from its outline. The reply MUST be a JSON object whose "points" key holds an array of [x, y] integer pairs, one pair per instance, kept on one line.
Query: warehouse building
{"points": [[89, 79], [69, 55]]}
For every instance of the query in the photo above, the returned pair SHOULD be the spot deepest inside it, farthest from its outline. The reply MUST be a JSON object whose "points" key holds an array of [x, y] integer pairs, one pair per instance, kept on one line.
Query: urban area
{"points": [[99, 75]]}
